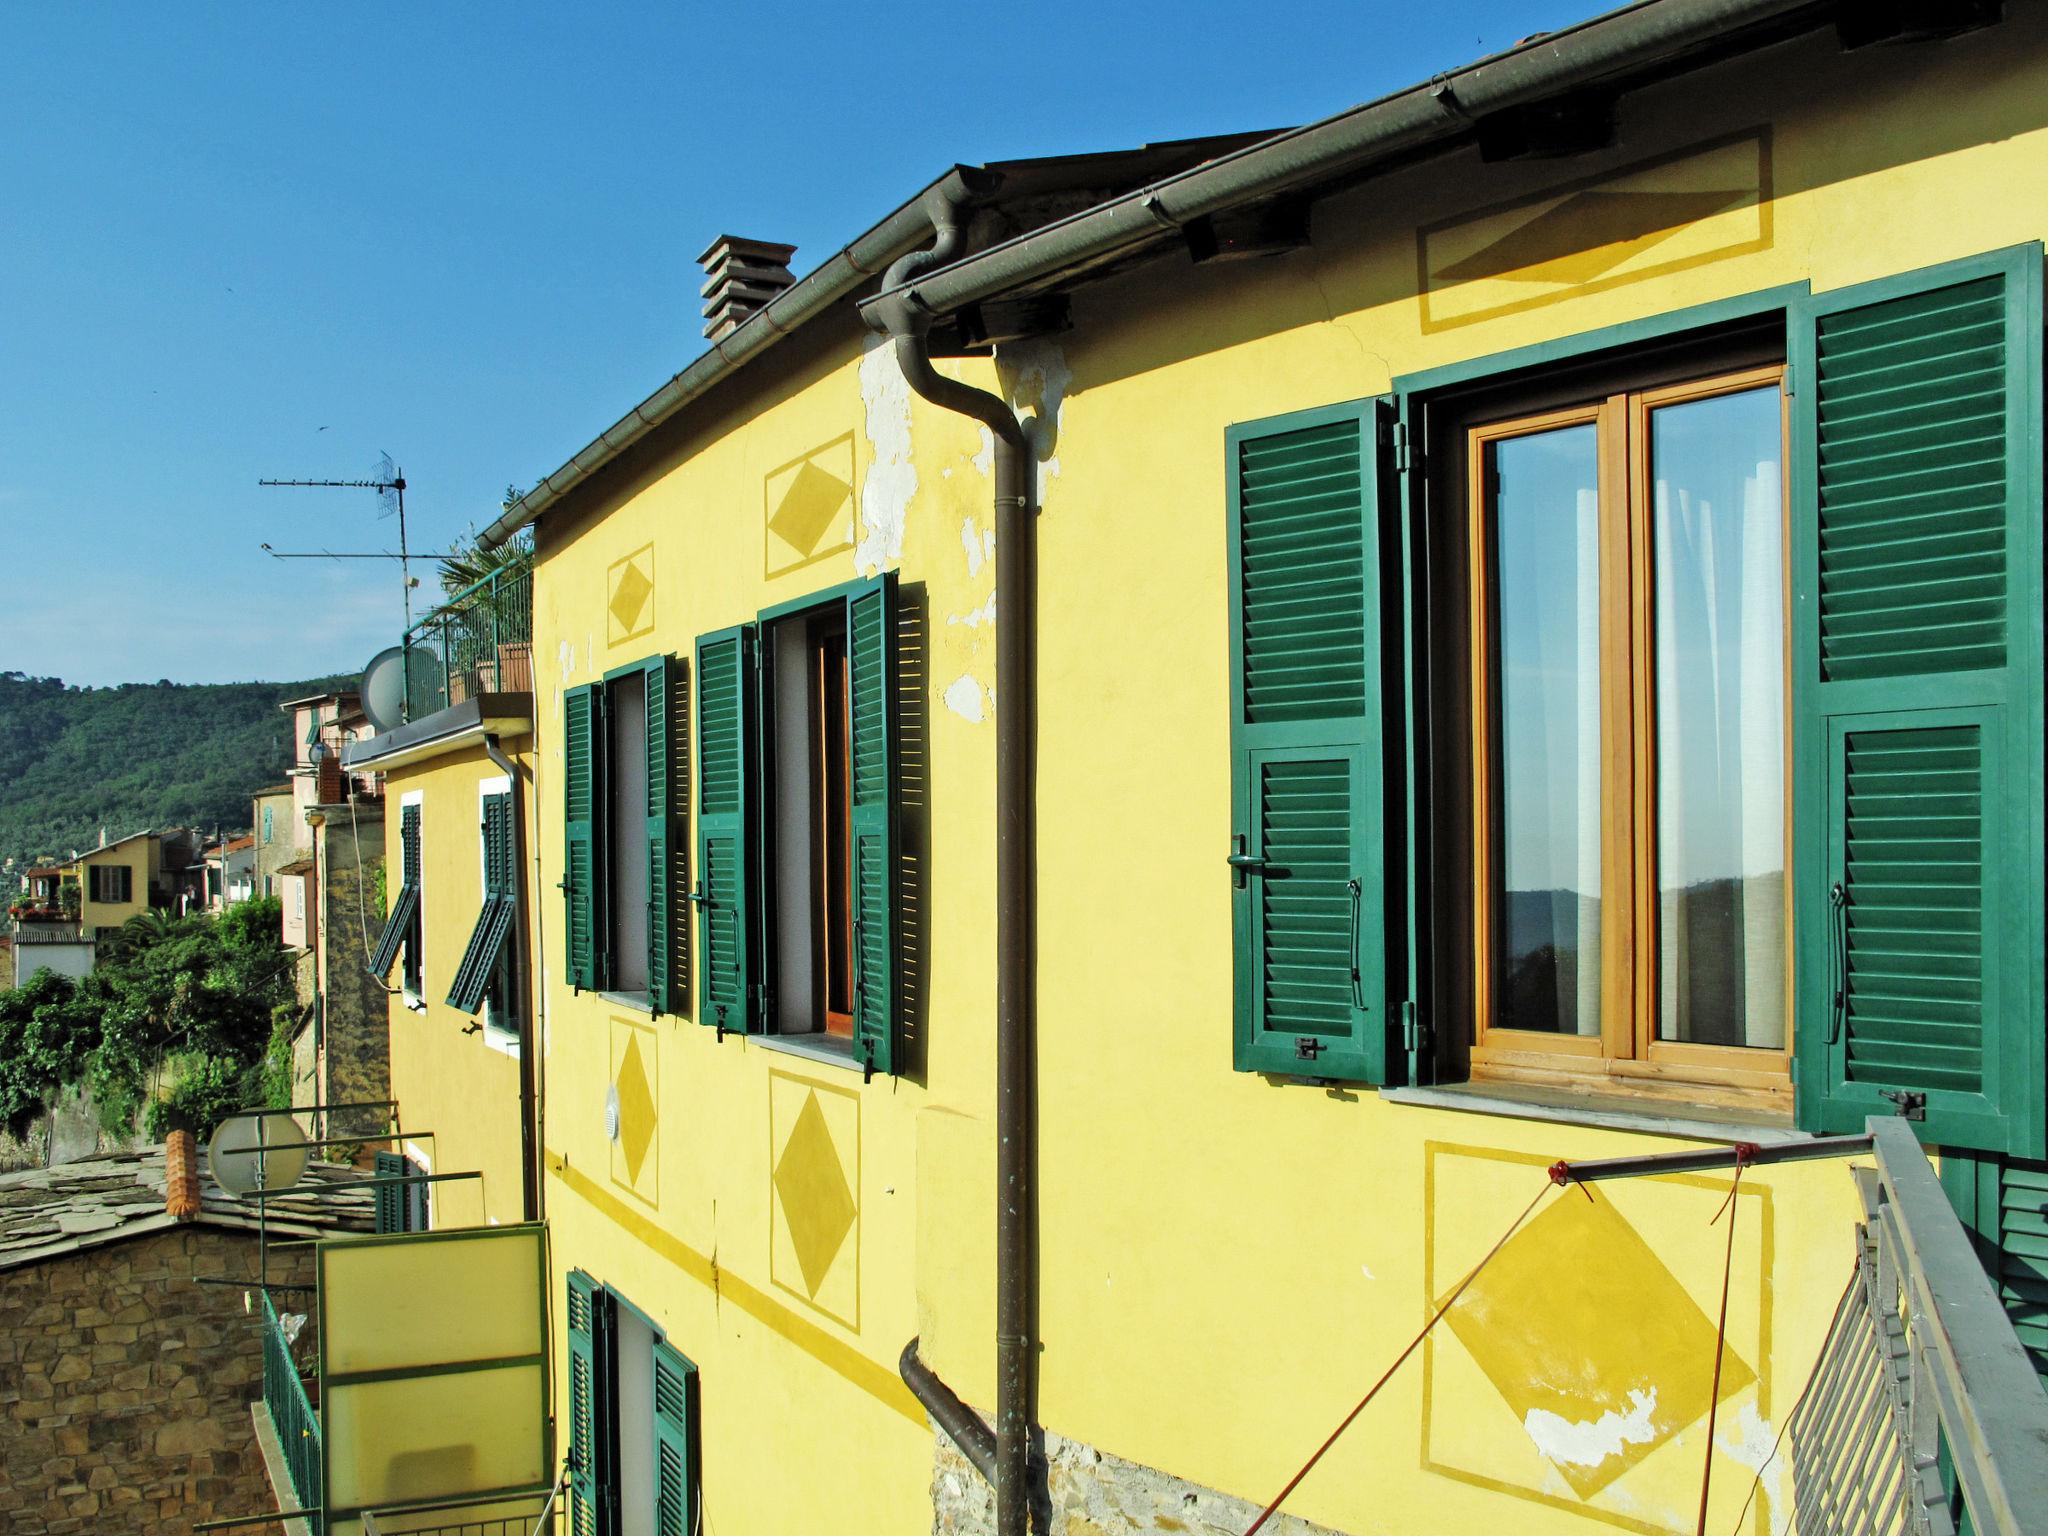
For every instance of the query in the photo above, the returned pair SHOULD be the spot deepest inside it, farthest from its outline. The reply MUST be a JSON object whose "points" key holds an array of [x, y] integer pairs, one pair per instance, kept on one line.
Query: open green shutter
{"points": [[486, 947], [871, 739], [1307, 860], [661, 833], [399, 926], [2004, 1203], [675, 1443], [589, 1404], [390, 1203], [579, 856], [1916, 685], [725, 705]]}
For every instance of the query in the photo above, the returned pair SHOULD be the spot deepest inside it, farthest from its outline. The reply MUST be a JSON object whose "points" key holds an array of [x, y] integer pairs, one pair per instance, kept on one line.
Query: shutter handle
{"points": [[1357, 893], [1242, 864], [1838, 958]]}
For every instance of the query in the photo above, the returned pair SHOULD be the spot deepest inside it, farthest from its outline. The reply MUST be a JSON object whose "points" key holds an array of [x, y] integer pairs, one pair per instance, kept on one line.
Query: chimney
{"points": [[739, 277], [181, 1175]]}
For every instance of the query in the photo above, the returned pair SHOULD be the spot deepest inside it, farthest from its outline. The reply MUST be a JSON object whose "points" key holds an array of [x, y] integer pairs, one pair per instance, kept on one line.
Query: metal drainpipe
{"points": [[1016, 1257], [522, 994]]}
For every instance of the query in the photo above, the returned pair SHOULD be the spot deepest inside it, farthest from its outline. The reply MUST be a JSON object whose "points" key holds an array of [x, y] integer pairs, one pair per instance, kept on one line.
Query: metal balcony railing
{"points": [[479, 641], [520, 1514], [291, 1410], [1925, 1416]]}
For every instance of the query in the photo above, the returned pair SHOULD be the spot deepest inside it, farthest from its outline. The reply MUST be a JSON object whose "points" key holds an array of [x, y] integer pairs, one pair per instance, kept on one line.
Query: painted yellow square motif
{"points": [[629, 596], [1577, 1369], [807, 508], [1657, 216], [814, 1194], [632, 1109]]}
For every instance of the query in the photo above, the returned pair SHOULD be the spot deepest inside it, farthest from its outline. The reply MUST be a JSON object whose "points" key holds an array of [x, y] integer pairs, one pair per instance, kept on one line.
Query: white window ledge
{"points": [[833, 1050], [1561, 1106]]}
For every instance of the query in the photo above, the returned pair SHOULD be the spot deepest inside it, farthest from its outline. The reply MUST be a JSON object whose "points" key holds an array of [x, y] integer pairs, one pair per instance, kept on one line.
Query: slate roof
{"points": [[48, 1213]]}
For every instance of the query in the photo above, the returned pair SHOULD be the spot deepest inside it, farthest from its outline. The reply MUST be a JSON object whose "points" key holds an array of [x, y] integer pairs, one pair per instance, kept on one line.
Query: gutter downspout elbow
{"points": [[907, 325], [962, 1425]]}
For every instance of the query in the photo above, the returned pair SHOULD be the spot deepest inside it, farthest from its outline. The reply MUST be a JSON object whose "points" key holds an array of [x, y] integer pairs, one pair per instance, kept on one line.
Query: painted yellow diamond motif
{"points": [[630, 591], [808, 508], [636, 1111], [1591, 1341], [817, 1203]]}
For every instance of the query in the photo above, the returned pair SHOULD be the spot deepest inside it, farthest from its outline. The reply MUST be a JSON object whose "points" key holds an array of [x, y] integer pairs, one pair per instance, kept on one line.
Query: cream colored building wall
{"points": [[140, 857], [459, 1082]]}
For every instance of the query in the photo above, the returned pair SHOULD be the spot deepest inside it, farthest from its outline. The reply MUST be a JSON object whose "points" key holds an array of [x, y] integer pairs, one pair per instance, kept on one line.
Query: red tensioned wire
{"points": [[1744, 1153], [1413, 1344]]}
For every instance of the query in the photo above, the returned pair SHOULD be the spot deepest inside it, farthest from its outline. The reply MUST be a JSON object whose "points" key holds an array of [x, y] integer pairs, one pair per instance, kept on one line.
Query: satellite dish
{"points": [[383, 690], [253, 1152]]}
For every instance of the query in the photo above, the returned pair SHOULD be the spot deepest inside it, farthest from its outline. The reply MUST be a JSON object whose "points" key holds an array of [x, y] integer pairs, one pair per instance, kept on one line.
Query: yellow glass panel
{"points": [[392, 1305], [434, 1437]]}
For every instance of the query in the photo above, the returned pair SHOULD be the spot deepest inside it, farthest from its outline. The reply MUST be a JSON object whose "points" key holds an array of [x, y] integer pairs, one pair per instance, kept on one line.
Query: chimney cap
{"points": [[739, 245]]}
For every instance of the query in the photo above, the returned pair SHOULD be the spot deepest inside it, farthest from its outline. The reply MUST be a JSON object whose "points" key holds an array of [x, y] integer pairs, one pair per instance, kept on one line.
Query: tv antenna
{"points": [[388, 481]]}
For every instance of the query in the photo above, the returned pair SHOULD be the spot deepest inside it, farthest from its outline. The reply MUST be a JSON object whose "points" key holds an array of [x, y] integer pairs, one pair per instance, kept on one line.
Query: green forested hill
{"points": [[73, 760]]}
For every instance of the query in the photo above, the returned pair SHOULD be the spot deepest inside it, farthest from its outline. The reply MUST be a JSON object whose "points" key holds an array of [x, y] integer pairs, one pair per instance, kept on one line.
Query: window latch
{"points": [[1243, 865], [1307, 1047], [1912, 1104]]}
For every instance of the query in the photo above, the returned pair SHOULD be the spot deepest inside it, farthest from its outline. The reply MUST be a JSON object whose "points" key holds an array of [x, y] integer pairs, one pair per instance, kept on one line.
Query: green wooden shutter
{"points": [[390, 1204], [590, 1408], [486, 947], [580, 718], [661, 833], [871, 742], [675, 1443], [399, 926], [725, 703], [1307, 815], [2004, 1203], [1916, 685]]}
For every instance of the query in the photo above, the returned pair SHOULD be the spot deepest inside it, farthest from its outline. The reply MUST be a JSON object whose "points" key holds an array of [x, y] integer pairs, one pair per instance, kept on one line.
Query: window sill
{"points": [[415, 1002], [833, 1050], [1563, 1106], [637, 1001]]}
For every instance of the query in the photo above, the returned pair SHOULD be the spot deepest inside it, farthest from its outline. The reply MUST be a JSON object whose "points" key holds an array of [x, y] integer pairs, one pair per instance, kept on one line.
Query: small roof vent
{"points": [[739, 277]]}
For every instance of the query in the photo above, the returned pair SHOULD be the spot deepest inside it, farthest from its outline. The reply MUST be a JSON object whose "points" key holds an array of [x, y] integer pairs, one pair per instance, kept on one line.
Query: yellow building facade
{"points": [[759, 866], [114, 882]]}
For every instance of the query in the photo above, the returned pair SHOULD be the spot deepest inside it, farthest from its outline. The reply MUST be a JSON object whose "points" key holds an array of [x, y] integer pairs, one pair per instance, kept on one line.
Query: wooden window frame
{"points": [[1626, 1053]]}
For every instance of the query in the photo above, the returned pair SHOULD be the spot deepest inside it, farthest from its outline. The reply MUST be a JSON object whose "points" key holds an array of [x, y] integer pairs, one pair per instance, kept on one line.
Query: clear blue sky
{"points": [[263, 240]]}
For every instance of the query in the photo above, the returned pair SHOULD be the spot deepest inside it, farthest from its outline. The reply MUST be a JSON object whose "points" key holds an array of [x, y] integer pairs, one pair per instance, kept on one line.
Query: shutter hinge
{"points": [[1403, 458], [1790, 386], [1411, 1026], [1912, 1105]]}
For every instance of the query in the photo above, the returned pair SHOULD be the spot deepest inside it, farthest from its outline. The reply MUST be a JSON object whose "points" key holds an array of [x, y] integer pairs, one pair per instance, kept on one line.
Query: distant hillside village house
{"points": [[1190, 775]]}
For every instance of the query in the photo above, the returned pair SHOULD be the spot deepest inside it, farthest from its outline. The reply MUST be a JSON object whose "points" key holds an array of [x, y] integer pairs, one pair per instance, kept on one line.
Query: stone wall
{"points": [[1085, 1492], [357, 1012], [125, 1387]]}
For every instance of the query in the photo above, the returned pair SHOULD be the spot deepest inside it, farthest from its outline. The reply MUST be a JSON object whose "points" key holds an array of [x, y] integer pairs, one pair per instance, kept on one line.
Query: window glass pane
{"points": [[1718, 550], [1546, 505]]}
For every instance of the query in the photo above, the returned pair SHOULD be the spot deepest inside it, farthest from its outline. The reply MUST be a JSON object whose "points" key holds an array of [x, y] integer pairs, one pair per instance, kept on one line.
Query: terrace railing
{"points": [[291, 1410], [521, 1514], [1925, 1416], [479, 641]]}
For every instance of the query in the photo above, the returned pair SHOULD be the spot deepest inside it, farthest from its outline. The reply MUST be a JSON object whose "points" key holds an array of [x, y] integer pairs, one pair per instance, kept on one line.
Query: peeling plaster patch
{"points": [[1367, 1272], [1757, 1440], [963, 697], [985, 460], [566, 654], [985, 614], [1588, 1445], [946, 473], [1039, 379], [970, 541], [891, 479]]}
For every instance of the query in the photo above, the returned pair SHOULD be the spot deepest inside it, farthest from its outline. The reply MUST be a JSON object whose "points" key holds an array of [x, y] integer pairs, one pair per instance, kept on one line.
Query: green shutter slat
{"points": [[661, 834], [396, 928], [589, 1398], [481, 956], [871, 746], [1951, 341], [1306, 733], [390, 1205], [1917, 685], [725, 686], [675, 1443], [1299, 573], [579, 801]]}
